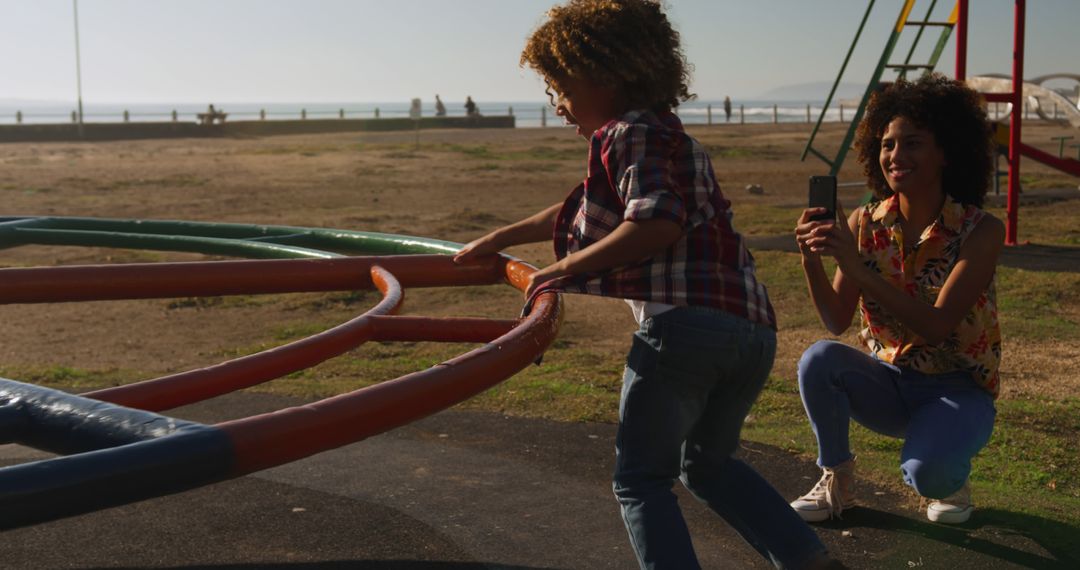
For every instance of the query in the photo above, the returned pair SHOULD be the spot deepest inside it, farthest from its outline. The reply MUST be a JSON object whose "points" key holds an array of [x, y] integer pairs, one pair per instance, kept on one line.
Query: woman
{"points": [[919, 263]]}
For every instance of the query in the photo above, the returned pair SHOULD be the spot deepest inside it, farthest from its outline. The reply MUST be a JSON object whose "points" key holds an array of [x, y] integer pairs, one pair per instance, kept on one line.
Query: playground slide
{"points": [[1040, 99]]}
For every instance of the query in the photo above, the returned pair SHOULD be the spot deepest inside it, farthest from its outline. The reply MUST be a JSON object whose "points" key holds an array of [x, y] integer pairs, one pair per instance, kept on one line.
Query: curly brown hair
{"points": [[949, 109], [626, 44]]}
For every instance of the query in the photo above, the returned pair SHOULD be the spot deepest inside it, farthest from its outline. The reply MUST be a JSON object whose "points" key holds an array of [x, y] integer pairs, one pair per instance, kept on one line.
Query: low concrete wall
{"points": [[128, 131]]}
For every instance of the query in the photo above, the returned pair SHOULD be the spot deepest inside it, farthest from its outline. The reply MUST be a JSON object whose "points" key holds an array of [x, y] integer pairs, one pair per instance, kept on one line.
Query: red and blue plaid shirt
{"points": [[644, 166]]}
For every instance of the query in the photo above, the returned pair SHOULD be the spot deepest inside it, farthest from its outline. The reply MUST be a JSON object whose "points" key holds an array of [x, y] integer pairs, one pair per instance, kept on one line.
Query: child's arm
{"points": [[968, 279], [537, 227], [629, 242]]}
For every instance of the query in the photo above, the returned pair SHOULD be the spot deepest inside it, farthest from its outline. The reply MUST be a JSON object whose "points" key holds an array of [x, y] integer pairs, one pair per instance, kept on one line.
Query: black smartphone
{"points": [[823, 195]]}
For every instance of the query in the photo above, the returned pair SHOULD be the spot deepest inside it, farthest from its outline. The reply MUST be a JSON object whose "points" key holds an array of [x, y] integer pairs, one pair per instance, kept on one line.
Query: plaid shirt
{"points": [[643, 166]]}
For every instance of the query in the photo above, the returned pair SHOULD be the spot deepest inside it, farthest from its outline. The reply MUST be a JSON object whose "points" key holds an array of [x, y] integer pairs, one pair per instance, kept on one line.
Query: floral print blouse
{"points": [[975, 345]]}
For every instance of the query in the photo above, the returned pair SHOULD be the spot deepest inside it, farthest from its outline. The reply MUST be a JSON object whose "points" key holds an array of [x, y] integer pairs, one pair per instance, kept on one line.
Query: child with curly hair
{"points": [[650, 225], [919, 263]]}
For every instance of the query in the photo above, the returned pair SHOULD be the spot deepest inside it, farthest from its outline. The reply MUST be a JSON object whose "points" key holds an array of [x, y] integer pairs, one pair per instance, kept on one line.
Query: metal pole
{"points": [[78, 65]]}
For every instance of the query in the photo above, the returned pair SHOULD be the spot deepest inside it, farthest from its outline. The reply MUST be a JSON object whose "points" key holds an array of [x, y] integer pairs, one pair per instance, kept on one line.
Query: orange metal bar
{"points": [[208, 278]]}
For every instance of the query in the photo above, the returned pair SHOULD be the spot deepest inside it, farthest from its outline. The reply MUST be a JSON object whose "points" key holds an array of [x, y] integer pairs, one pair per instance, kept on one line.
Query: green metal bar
{"points": [[942, 40], [845, 145], [839, 76], [315, 238], [821, 156], [194, 244], [915, 42]]}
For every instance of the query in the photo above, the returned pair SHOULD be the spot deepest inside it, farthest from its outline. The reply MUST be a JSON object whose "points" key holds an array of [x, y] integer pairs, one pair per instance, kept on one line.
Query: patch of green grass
{"points": [[302, 150], [174, 181], [485, 167], [1039, 304], [781, 272], [719, 151], [761, 219], [69, 377], [539, 153], [30, 191], [1050, 223]]}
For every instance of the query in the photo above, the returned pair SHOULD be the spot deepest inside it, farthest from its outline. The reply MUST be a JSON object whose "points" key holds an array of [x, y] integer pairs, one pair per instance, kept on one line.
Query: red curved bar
{"points": [[175, 390], [306, 430], [191, 386], [209, 278]]}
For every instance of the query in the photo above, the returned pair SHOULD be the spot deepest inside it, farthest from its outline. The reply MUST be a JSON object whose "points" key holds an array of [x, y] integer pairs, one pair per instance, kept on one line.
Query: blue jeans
{"points": [[944, 419], [691, 377]]}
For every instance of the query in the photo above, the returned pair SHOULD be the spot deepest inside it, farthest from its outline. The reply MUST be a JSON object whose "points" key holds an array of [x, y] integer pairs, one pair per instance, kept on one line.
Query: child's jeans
{"points": [[691, 377], [944, 419]]}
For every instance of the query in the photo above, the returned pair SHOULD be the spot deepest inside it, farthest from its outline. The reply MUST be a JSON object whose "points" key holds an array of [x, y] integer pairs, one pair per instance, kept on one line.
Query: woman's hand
{"points": [[832, 239], [804, 230]]}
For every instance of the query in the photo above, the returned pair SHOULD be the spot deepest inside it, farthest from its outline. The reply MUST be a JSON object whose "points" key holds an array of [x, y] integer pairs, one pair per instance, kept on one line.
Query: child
{"points": [[919, 262], [650, 225]]}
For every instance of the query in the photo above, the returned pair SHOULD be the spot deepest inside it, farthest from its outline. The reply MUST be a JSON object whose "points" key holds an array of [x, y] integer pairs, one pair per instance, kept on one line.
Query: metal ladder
{"points": [[883, 63]]}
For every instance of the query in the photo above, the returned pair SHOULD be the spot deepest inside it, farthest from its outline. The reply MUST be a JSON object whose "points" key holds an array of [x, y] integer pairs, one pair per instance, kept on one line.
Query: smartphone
{"points": [[823, 195]]}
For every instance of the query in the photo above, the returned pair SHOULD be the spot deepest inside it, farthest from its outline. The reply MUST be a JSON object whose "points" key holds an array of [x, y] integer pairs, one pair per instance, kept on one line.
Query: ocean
{"points": [[528, 114]]}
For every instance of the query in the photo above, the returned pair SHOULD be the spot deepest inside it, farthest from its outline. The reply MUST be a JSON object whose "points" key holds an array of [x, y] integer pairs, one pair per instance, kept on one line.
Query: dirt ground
{"points": [[447, 184]]}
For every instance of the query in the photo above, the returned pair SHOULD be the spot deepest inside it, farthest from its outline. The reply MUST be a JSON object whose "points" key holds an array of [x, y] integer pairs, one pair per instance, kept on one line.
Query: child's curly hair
{"points": [[953, 113], [627, 44]]}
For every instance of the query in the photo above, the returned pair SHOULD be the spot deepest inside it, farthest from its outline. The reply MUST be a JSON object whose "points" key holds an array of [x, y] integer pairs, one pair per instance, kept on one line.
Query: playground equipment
{"points": [[1014, 94], [120, 450]]}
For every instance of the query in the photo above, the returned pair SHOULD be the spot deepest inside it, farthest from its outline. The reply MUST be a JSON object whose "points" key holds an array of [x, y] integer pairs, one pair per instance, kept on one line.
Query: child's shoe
{"points": [[834, 492], [954, 509]]}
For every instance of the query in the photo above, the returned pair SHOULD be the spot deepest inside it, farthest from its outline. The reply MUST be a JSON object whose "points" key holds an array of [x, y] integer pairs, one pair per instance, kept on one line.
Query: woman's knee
{"points": [[935, 478], [819, 361]]}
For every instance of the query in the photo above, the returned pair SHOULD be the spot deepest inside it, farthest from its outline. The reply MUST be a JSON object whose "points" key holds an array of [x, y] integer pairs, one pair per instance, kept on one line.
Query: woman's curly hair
{"points": [[626, 44], [953, 112]]}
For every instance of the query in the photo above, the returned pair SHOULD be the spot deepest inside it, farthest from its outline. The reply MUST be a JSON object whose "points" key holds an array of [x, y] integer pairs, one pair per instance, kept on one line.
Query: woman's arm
{"points": [[966, 282], [535, 228], [629, 242], [835, 302]]}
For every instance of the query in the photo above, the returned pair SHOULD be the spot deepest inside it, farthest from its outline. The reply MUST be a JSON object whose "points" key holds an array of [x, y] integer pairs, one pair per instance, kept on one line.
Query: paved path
{"points": [[466, 490]]}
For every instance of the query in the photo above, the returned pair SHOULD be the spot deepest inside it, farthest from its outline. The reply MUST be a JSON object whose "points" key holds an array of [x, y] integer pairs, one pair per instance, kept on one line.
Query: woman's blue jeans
{"points": [[944, 419], [691, 377]]}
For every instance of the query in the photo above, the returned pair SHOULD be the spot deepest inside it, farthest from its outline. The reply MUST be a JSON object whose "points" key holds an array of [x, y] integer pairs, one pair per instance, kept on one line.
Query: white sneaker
{"points": [[834, 492], [954, 509]]}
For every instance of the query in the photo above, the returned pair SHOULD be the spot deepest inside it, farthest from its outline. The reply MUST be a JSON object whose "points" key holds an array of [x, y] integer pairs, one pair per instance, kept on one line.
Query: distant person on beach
{"points": [[440, 109], [470, 107], [212, 115], [918, 261], [727, 109], [649, 225]]}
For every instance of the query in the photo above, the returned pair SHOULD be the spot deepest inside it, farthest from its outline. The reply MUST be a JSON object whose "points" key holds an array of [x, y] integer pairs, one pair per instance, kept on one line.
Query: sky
{"points": [[146, 51]]}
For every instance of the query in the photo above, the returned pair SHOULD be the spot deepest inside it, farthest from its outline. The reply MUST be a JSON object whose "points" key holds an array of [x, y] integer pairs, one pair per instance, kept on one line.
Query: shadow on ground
{"points": [[1014, 539]]}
